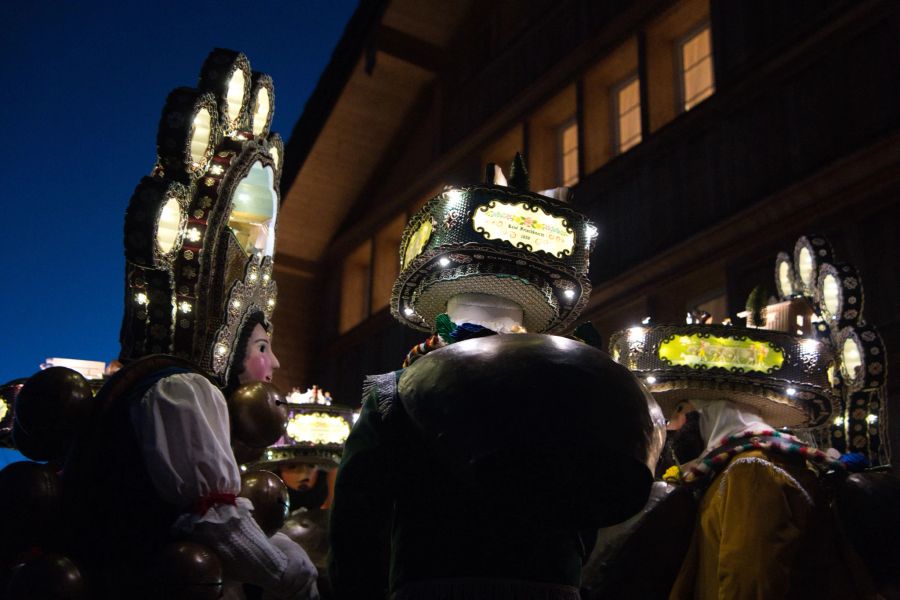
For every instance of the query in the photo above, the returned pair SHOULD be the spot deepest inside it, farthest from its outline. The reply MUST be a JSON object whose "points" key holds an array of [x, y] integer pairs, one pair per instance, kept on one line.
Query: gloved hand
{"points": [[298, 581]]}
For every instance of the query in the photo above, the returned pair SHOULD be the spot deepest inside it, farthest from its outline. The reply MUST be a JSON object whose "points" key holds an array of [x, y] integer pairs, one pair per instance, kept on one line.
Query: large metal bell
{"points": [[500, 408], [51, 406], [189, 571], [258, 414], [49, 577], [269, 496], [30, 504]]}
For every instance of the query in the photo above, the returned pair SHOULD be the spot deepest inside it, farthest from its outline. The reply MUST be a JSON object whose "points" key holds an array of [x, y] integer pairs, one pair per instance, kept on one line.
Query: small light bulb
{"points": [[408, 311], [651, 380], [444, 261], [839, 421], [872, 419], [635, 333], [569, 293], [791, 391]]}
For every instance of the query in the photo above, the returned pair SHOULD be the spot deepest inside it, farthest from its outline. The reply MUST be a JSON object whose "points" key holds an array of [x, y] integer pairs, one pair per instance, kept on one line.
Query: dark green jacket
{"points": [[401, 515]]}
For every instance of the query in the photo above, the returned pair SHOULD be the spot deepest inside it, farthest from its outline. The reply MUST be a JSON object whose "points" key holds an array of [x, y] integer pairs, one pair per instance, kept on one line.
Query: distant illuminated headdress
{"points": [[782, 376], [315, 434], [200, 230], [502, 240]]}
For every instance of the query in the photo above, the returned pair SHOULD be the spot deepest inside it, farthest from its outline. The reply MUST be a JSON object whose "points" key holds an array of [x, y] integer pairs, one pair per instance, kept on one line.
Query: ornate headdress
{"points": [[502, 240], [782, 376], [200, 230], [316, 431]]}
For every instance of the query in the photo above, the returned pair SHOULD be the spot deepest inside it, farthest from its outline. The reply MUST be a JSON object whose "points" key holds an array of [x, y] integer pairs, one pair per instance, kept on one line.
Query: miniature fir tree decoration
{"points": [[518, 174], [756, 306]]}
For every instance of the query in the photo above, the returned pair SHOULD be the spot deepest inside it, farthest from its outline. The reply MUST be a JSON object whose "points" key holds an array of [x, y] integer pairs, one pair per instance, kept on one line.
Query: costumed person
{"points": [[482, 469], [762, 527], [306, 459], [8, 392], [155, 464]]}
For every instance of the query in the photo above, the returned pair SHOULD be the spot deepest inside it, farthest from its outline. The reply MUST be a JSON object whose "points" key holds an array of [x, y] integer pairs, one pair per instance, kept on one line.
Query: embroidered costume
{"points": [[156, 462]]}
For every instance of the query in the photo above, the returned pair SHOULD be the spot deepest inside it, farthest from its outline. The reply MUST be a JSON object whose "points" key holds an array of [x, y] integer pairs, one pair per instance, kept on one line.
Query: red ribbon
{"points": [[204, 503]]}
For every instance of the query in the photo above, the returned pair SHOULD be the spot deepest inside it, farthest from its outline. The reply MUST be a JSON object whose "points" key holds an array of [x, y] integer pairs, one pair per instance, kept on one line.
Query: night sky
{"points": [[83, 85]]}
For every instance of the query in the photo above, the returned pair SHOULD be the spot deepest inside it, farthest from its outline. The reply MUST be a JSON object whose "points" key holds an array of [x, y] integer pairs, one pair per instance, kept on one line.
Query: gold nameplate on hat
{"points": [[318, 428], [699, 352], [524, 226], [417, 241]]}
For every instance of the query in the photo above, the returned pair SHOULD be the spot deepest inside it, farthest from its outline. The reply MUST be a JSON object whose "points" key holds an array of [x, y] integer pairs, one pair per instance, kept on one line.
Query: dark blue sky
{"points": [[83, 85]]}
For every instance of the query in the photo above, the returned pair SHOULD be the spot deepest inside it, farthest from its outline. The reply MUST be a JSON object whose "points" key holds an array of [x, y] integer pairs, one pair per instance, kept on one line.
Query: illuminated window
{"points": [[695, 58], [627, 107], [568, 154], [355, 280]]}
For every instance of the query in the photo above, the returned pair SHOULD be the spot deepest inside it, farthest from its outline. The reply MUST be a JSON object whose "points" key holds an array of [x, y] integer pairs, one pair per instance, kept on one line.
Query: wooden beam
{"points": [[295, 265], [331, 85], [409, 49]]}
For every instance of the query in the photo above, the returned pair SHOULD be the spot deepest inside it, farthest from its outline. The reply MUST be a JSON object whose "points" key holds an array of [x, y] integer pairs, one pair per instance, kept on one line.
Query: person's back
{"points": [[484, 479], [764, 530]]}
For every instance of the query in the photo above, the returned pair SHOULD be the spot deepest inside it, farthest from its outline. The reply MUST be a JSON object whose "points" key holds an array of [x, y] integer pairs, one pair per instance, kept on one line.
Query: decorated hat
{"points": [[781, 376], [8, 393], [316, 431], [500, 239], [200, 230]]}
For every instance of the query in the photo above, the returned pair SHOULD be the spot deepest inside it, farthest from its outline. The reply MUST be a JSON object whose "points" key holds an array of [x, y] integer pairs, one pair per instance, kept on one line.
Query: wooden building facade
{"points": [[701, 136]]}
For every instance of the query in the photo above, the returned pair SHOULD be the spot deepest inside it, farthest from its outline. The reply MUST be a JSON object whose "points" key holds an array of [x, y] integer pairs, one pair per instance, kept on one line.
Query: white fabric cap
{"points": [[497, 314], [721, 418]]}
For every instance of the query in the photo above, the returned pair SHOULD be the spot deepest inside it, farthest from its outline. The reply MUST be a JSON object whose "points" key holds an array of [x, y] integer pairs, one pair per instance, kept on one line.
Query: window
{"points": [[602, 81], [553, 152], [355, 277], [627, 106], [568, 154], [678, 57], [695, 58]]}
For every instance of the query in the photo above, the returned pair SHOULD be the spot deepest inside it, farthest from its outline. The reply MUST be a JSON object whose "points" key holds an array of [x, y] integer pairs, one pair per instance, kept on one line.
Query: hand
{"points": [[298, 582]]}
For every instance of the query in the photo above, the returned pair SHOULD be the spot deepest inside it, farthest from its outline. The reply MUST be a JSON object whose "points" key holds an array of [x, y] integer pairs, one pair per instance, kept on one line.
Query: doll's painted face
{"points": [[259, 360], [299, 476]]}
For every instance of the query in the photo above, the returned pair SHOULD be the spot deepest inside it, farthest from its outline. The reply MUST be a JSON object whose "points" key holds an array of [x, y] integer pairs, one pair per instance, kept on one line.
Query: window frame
{"points": [[560, 152], [616, 116], [680, 71]]}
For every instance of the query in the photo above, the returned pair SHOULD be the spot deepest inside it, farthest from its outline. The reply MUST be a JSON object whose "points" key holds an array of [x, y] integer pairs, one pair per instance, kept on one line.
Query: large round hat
{"points": [[783, 377], [316, 431], [499, 239]]}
